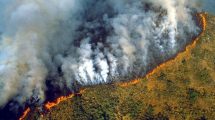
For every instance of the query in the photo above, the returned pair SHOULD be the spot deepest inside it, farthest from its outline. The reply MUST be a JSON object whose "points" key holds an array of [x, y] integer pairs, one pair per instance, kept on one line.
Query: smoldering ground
{"points": [[48, 47]]}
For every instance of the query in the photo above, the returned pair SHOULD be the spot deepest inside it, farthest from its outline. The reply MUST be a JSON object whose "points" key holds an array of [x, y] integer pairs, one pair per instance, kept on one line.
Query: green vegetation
{"points": [[184, 89]]}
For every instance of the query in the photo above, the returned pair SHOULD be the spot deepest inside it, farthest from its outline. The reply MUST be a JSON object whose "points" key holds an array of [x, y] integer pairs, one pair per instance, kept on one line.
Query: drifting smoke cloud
{"points": [[87, 41]]}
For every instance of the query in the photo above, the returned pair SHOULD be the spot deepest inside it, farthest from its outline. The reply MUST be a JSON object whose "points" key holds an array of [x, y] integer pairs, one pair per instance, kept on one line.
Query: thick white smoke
{"points": [[86, 41]]}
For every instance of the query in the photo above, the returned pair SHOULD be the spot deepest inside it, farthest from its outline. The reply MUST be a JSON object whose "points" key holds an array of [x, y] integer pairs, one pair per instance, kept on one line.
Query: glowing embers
{"points": [[25, 113]]}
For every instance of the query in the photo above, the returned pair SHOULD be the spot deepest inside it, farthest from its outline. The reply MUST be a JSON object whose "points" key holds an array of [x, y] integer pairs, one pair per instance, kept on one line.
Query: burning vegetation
{"points": [[183, 88], [62, 46], [157, 73]]}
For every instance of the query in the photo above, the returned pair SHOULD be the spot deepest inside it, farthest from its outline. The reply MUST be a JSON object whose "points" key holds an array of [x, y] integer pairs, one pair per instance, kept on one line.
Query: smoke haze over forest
{"points": [[64, 42]]}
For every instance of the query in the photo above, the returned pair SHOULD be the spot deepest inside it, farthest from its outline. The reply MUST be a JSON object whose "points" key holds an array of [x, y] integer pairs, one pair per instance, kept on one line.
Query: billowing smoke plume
{"points": [[62, 42]]}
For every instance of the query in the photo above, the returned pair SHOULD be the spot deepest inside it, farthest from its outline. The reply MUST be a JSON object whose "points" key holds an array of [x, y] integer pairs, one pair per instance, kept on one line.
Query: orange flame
{"points": [[203, 23], [129, 83], [25, 113], [50, 105]]}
